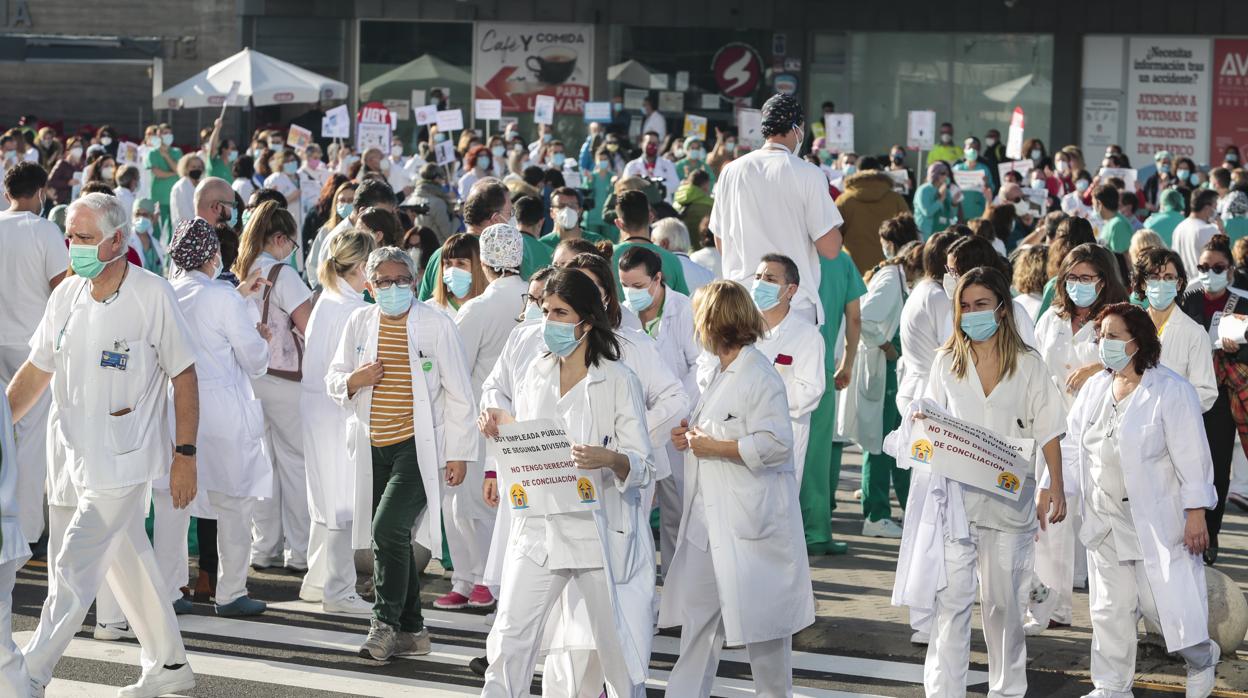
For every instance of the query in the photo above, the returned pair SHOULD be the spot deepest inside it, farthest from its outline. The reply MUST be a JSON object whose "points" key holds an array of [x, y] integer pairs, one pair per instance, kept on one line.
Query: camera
{"points": [[415, 209]]}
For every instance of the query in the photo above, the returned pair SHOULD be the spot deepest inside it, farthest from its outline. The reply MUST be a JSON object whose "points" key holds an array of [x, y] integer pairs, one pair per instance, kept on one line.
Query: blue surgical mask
{"points": [[457, 280], [532, 312], [1083, 295], [290, 167], [697, 154], [1082, 185], [557, 159], [970, 154], [344, 210], [1113, 354], [498, 151], [395, 300], [166, 138], [766, 295], [142, 226], [231, 156], [1183, 175], [560, 337], [1163, 168], [1213, 283], [233, 217], [637, 299], [980, 325], [1161, 293], [851, 169], [603, 165], [483, 162]]}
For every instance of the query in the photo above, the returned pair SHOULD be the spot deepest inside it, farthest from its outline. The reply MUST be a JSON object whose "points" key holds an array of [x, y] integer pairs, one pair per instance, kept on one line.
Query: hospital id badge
{"points": [[112, 359]]}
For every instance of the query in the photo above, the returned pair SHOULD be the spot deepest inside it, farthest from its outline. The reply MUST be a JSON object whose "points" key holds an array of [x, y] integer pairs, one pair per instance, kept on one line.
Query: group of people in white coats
{"points": [[1097, 369]]}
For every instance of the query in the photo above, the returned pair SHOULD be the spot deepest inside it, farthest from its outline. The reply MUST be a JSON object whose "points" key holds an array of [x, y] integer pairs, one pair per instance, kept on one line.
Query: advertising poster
{"points": [[1230, 97], [1167, 97], [514, 63]]}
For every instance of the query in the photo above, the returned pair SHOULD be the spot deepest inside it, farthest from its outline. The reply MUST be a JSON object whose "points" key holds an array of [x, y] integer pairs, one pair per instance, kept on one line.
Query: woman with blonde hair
{"points": [[461, 278], [280, 523], [959, 537], [182, 196], [740, 571], [1144, 239], [1030, 267], [331, 478]]}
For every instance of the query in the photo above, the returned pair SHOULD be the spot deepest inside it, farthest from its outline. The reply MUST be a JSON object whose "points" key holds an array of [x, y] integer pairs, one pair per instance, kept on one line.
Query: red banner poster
{"points": [[1230, 97]]}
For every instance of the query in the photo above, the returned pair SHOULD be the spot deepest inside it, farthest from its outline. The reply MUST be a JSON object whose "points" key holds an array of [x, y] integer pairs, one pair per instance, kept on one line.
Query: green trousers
{"points": [[879, 469], [823, 473], [398, 498]]}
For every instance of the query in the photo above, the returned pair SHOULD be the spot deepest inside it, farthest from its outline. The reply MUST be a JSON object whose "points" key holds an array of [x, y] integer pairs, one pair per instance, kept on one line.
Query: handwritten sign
{"points": [[970, 454], [969, 179], [489, 109], [536, 474], [695, 127], [450, 120]]}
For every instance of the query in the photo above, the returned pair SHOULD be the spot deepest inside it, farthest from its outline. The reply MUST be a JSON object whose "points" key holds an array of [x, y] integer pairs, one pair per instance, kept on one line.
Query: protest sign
{"points": [[543, 109], [1037, 200], [972, 180], [374, 124], [971, 455], [536, 475], [921, 130], [633, 98], [1014, 144], [750, 127], [598, 111], [445, 152], [839, 132], [671, 102], [1022, 167], [426, 115], [128, 153], [400, 107], [1126, 174], [336, 123], [450, 120], [695, 127], [298, 137], [489, 109]]}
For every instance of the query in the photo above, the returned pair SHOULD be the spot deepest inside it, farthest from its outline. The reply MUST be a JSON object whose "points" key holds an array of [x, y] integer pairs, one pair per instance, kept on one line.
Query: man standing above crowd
{"points": [[33, 261], [772, 201]]}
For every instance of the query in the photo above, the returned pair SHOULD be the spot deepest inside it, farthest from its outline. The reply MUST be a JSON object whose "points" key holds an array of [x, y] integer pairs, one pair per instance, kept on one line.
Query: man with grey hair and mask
{"points": [[772, 201], [111, 341]]}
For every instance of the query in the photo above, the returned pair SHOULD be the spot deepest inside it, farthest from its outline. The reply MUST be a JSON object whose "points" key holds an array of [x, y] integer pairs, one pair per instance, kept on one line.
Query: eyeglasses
{"points": [[1083, 279], [1162, 277], [530, 298], [1216, 268], [383, 284]]}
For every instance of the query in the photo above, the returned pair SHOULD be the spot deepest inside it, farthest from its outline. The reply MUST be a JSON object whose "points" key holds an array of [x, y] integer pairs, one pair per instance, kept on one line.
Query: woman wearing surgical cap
{"points": [[230, 349], [694, 160], [933, 201], [145, 241], [1235, 215]]}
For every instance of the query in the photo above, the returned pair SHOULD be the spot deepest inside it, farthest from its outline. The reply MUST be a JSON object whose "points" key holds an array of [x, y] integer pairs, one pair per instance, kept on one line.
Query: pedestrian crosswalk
{"points": [[298, 650]]}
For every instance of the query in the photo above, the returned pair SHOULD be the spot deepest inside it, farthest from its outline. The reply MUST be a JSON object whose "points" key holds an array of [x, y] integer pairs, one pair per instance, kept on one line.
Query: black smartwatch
{"points": [[185, 450]]}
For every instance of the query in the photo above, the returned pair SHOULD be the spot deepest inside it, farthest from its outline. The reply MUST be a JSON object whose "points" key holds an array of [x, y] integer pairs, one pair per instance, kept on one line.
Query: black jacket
{"points": [[1193, 303]]}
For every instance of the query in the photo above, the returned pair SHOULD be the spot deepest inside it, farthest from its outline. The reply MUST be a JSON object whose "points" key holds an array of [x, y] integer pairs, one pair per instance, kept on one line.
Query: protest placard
{"points": [[750, 127], [839, 132], [972, 180], [536, 475], [544, 109], [298, 137], [128, 153], [489, 109], [970, 454], [400, 107], [450, 120], [633, 98], [426, 115], [671, 102], [445, 152], [1127, 175], [1022, 167], [921, 130], [336, 123], [598, 111], [695, 127], [1014, 143]]}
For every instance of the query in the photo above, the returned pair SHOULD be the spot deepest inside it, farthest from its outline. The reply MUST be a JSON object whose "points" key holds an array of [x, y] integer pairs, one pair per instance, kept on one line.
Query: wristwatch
{"points": [[185, 450]]}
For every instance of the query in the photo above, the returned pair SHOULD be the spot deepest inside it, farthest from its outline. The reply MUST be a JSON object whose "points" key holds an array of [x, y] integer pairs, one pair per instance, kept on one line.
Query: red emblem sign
{"points": [[738, 70]]}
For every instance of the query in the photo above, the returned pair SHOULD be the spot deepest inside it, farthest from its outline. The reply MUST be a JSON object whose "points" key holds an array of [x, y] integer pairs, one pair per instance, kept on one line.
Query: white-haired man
{"points": [[110, 342], [672, 235]]}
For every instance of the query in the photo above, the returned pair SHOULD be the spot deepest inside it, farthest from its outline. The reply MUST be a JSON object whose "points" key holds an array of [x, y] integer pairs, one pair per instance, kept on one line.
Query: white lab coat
{"points": [[181, 202], [229, 352], [860, 414], [13, 553], [331, 473], [676, 343], [1166, 468], [803, 371], [748, 516], [443, 413], [1187, 350]]}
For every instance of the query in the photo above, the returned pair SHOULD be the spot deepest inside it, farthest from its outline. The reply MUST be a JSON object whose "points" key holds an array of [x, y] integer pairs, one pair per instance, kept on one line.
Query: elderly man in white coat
{"points": [[1145, 478], [331, 573], [13, 554], [111, 340], [230, 349], [667, 316], [400, 369], [740, 573], [484, 324]]}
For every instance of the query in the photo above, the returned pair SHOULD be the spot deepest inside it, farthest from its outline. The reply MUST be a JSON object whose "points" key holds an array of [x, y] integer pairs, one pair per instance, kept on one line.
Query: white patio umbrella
{"points": [[263, 79], [632, 73]]}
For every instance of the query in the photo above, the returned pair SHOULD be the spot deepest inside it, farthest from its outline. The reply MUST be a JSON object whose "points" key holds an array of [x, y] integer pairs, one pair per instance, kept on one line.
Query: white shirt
{"points": [[1189, 238], [1031, 303], [143, 325], [126, 197], [484, 323], [1187, 350], [655, 122], [398, 178], [803, 371], [32, 252], [771, 201], [181, 202], [662, 168], [675, 339], [244, 188], [708, 258], [465, 183], [696, 275]]}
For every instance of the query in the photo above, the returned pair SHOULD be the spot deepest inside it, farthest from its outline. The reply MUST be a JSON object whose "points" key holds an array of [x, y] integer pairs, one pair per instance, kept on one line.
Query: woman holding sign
{"points": [[987, 376], [1143, 499], [607, 552], [740, 571]]}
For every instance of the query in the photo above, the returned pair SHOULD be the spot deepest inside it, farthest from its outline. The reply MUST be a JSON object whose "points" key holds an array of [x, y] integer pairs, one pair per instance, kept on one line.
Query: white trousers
{"points": [[280, 524], [13, 678], [1004, 565], [702, 639], [1119, 593], [801, 441], [669, 496], [331, 564], [1239, 469], [468, 538], [528, 592], [107, 611], [105, 539], [233, 543], [1057, 551], [572, 674], [30, 435]]}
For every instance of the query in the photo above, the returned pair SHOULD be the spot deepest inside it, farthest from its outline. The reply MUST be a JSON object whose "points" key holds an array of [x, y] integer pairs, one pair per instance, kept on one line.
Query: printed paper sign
{"points": [[750, 127], [1037, 200], [445, 152], [400, 107], [682, 81], [128, 153], [298, 137], [972, 180], [536, 475], [839, 132], [426, 115], [1014, 145], [1168, 96], [921, 130], [695, 126], [710, 101], [450, 120], [336, 123], [489, 109], [1022, 167], [971, 455], [516, 62], [633, 98], [1127, 175], [377, 136], [671, 102], [598, 111], [1100, 124], [543, 109]]}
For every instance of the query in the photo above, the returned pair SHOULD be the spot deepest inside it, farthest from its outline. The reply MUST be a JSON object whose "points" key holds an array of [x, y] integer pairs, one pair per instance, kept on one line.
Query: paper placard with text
{"points": [[450, 120], [598, 111], [426, 114], [445, 152], [1126, 174], [298, 137], [970, 454], [543, 109], [536, 475], [336, 123], [921, 130], [839, 132], [750, 127], [489, 109], [128, 153], [695, 126], [1022, 167], [1014, 143], [972, 180], [399, 107]]}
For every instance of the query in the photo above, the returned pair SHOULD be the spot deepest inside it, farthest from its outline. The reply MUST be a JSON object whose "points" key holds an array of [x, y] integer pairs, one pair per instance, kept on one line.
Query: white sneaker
{"points": [[113, 631], [159, 682], [884, 528], [1200, 682], [920, 638], [352, 605], [311, 594]]}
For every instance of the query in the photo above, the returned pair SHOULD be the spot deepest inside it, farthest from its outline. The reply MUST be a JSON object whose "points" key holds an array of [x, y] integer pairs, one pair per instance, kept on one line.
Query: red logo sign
{"points": [[283, 96], [738, 70], [374, 113]]}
